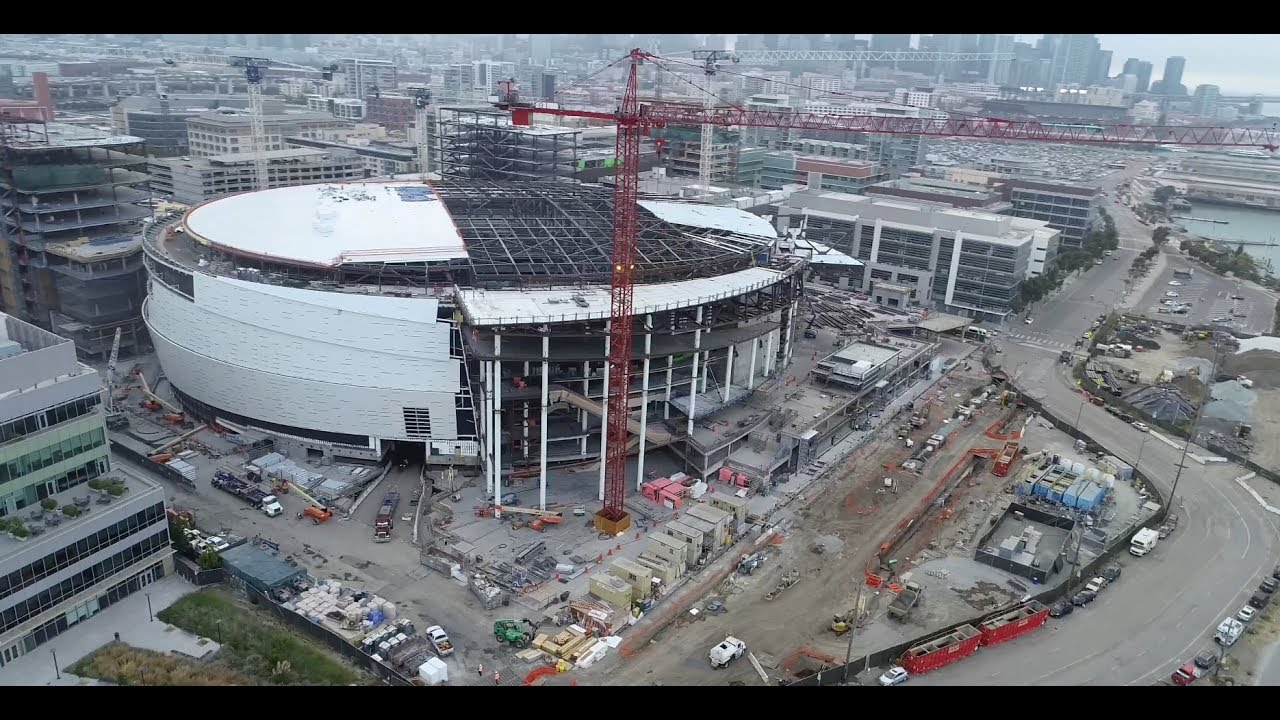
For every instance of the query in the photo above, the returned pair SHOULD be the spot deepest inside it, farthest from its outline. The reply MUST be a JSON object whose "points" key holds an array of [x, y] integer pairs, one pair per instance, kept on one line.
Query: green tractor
{"points": [[513, 632]]}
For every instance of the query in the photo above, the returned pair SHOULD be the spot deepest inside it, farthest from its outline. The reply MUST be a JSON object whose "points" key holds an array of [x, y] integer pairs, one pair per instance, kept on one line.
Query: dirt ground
{"points": [[1239, 666], [849, 519]]}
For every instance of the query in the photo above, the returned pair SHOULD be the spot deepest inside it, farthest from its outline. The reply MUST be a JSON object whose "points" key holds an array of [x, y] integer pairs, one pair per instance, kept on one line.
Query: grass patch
{"points": [[253, 646], [126, 665]]}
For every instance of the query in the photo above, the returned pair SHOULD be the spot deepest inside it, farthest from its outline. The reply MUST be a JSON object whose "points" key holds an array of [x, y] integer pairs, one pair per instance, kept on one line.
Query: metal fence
{"points": [[150, 465], [841, 674], [194, 575], [328, 637]]}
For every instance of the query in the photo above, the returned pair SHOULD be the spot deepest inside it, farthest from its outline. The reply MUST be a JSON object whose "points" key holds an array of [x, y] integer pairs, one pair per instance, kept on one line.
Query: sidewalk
{"points": [[128, 617]]}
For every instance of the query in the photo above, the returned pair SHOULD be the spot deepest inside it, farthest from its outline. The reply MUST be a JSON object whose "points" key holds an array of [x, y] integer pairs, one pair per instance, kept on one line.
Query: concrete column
{"points": [[497, 425], [542, 458], [671, 363], [486, 421], [751, 377], [728, 370], [693, 376], [604, 409], [706, 369], [791, 331], [525, 444], [769, 357], [644, 398], [582, 414]]}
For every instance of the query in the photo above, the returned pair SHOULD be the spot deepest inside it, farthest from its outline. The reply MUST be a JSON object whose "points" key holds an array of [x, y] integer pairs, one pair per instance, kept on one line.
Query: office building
{"points": [[231, 132], [1171, 82], [61, 566], [70, 257], [782, 168], [915, 97], [1205, 101], [379, 158], [541, 48], [161, 122], [1072, 209], [340, 108], [964, 262], [936, 190], [1074, 59], [193, 180], [1140, 69], [486, 75], [393, 111], [1101, 70], [359, 76]]}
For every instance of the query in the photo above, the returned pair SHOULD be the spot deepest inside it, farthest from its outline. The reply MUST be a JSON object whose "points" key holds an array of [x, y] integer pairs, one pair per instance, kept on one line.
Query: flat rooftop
{"points": [[104, 248], [54, 536], [330, 225], [37, 136], [864, 352]]}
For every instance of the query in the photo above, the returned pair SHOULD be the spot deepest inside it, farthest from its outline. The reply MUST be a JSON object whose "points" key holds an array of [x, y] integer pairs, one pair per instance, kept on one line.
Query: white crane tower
{"points": [[253, 68]]}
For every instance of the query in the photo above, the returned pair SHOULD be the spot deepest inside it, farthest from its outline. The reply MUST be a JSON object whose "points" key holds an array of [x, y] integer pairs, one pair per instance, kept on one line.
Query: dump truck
{"points": [[440, 641], [901, 606], [229, 483], [385, 520], [1007, 455]]}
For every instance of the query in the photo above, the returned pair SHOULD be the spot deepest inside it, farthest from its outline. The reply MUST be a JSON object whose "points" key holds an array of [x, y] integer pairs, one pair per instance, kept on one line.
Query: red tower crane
{"points": [[634, 120]]}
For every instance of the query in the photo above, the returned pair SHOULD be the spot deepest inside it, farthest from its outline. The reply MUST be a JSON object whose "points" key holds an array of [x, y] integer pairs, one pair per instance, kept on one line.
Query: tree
{"points": [[177, 534], [210, 560], [1160, 235]]}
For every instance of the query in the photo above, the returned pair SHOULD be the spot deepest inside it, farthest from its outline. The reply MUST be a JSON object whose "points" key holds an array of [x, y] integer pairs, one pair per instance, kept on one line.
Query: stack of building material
{"points": [[672, 496], [599, 618], [652, 489], [569, 644], [186, 469]]}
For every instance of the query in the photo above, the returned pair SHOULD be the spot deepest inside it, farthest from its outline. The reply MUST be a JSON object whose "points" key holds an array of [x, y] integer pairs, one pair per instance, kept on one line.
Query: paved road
{"points": [[1166, 605]]}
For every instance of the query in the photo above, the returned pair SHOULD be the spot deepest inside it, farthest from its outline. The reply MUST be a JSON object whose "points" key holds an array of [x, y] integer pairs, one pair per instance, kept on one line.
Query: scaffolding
{"points": [[556, 233], [70, 257], [482, 144]]}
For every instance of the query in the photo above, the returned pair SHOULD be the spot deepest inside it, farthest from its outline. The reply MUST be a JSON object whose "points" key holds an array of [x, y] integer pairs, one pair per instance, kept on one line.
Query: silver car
{"points": [[894, 676]]}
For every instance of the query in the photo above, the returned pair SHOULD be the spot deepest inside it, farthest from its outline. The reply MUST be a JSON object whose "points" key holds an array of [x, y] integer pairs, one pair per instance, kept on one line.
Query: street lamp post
{"points": [[56, 671], [150, 615], [1081, 411], [1137, 466], [219, 624]]}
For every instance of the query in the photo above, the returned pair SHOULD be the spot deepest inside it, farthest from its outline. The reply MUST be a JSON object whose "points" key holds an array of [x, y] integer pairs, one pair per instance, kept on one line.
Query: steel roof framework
{"points": [[557, 232]]}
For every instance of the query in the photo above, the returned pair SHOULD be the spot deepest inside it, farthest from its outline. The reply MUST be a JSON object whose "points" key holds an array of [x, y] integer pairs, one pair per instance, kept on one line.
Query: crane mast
{"points": [[422, 105], [253, 68], [634, 119]]}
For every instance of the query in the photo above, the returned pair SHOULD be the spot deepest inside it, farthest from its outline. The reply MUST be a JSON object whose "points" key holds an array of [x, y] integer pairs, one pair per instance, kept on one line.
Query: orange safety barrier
{"points": [[538, 673]]}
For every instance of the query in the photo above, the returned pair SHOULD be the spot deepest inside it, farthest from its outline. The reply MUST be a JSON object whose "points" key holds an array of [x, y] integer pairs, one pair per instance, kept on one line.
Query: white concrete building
{"points": [[231, 132]]}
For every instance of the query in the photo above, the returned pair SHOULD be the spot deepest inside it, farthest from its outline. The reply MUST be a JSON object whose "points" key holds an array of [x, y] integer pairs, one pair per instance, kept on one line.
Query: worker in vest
{"points": [[497, 679], [480, 669]]}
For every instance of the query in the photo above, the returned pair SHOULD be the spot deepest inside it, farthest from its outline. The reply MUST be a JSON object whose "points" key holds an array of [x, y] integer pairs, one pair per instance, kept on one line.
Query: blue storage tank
{"points": [[1041, 488], [762, 258], [1055, 493]]}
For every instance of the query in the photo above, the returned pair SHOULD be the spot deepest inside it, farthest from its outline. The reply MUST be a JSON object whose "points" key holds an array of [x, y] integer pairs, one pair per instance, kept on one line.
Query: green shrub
{"points": [[116, 490], [96, 484], [71, 511], [48, 503]]}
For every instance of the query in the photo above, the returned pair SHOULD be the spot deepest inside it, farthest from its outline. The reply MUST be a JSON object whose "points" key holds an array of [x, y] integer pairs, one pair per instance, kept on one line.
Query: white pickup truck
{"points": [[439, 639], [730, 649], [1229, 631]]}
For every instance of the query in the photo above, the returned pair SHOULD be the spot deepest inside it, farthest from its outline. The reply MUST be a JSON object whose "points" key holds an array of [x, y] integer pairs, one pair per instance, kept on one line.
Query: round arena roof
{"points": [[527, 231]]}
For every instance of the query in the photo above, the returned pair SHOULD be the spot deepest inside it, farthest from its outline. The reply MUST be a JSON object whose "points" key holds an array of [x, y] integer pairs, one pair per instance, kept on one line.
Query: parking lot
{"points": [[1210, 297]]}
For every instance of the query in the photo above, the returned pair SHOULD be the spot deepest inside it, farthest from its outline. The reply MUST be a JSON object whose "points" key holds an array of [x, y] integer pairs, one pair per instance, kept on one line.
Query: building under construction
{"points": [[70, 253], [482, 144]]}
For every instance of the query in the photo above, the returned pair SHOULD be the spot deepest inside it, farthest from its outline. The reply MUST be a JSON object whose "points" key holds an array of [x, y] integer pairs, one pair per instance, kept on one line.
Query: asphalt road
{"points": [[1165, 607]]}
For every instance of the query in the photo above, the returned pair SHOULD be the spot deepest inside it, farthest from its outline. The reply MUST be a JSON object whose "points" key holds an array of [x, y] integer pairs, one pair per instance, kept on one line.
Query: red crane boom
{"points": [[634, 120]]}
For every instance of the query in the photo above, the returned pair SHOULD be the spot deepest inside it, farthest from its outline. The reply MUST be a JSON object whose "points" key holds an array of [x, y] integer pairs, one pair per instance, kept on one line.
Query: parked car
{"points": [[1174, 283], [1141, 427], [1171, 294], [1237, 297], [1269, 585], [1246, 613], [1112, 573], [1062, 608], [894, 676], [1096, 585], [1276, 573], [1206, 659], [1084, 597], [1030, 320]]}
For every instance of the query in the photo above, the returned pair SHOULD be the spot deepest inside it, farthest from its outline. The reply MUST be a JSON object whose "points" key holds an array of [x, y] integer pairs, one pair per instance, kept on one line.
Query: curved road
{"points": [[1166, 605]]}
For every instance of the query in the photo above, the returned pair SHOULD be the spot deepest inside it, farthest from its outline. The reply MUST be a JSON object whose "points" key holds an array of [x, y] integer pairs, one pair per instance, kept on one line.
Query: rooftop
{"points": [[866, 353], [241, 117], [103, 248], [51, 531], [330, 225], [43, 136]]}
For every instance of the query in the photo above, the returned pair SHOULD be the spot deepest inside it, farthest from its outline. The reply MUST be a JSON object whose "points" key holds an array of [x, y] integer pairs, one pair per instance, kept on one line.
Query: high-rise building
{"points": [[541, 47], [890, 42], [1074, 59], [230, 133], [1140, 69], [1171, 82], [67, 564], [1205, 101], [359, 75], [70, 254], [1000, 70], [1101, 70]]}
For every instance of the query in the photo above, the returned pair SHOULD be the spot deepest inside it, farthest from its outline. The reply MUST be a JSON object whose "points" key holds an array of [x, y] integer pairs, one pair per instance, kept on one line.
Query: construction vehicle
{"points": [[729, 649], [440, 641], [317, 511], [907, 599], [116, 419], [513, 632], [749, 563], [385, 520], [229, 483]]}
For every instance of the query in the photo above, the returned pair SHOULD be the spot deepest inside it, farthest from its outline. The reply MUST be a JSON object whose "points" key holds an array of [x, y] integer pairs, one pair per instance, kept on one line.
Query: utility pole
{"points": [[1186, 447]]}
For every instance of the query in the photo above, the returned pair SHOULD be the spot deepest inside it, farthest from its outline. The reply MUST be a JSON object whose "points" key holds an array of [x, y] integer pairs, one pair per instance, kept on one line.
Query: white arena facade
{"points": [[465, 320]]}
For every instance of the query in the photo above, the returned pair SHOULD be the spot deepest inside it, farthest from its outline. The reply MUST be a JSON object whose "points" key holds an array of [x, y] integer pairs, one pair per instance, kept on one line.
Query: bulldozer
{"points": [[513, 632]]}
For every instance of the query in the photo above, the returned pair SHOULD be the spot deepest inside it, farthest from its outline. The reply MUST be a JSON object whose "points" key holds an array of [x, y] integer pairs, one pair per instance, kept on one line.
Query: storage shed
{"points": [[258, 569]]}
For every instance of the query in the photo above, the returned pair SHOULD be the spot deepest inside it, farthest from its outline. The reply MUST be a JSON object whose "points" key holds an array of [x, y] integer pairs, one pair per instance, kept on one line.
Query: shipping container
{"points": [[942, 650], [1091, 497], [1006, 458], [1009, 625]]}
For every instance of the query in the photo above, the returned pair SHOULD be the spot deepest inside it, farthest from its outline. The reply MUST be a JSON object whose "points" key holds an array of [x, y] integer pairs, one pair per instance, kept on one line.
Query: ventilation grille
{"points": [[417, 422]]}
